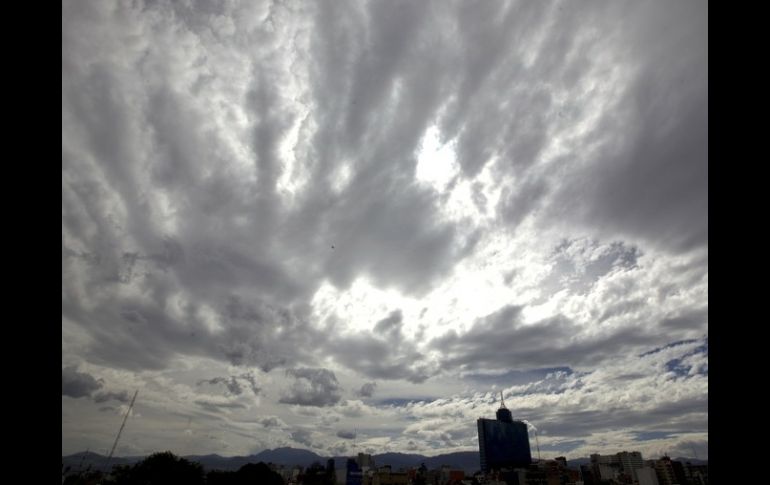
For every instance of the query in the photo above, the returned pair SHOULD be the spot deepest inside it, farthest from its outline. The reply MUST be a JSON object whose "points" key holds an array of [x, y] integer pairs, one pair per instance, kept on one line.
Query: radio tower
{"points": [[109, 458]]}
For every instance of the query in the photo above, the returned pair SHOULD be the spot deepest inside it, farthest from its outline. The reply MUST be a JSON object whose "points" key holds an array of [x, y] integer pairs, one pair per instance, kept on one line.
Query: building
{"points": [[503, 442], [386, 477], [669, 472], [647, 476], [619, 467], [696, 474], [630, 462], [605, 467], [365, 461], [450, 475], [354, 475]]}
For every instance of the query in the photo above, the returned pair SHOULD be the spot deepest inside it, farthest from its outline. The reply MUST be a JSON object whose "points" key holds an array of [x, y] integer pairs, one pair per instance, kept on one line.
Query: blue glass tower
{"points": [[503, 442]]}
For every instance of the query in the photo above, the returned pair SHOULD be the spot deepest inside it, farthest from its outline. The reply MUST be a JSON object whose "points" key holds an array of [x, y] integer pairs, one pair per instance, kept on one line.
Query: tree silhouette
{"points": [[159, 469], [249, 473]]}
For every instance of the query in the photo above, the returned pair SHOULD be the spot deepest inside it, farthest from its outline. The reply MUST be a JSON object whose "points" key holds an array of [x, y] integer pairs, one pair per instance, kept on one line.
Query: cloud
{"points": [[272, 422], [379, 358], [348, 435], [122, 396], [312, 387], [384, 353], [390, 326], [689, 319], [521, 186], [353, 409], [303, 437], [249, 377], [651, 182], [78, 384], [367, 389], [232, 384], [217, 407]]}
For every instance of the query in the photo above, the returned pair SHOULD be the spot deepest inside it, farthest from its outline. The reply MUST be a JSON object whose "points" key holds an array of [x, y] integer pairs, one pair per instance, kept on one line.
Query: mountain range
{"points": [[464, 460]]}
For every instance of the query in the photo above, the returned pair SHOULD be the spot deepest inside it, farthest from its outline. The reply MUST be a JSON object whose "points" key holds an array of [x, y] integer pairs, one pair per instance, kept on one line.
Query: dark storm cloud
{"points": [[522, 200], [380, 358], [492, 37], [383, 353], [392, 233], [681, 415], [501, 341], [367, 389], [650, 180], [202, 265], [374, 95], [77, 384], [302, 436], [347, 435], [251, 380], [232, 385], [122, 396], [391, 326], [695, 319], [145, 335], [312, 387]]}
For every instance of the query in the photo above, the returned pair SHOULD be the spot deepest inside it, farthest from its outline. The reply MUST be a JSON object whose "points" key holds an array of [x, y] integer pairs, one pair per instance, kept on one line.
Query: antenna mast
{"points": [[130, 406], [502, 402]]}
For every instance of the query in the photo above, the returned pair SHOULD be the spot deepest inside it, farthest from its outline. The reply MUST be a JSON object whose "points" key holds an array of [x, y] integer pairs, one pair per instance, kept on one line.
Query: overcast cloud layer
{"points": [[347, 226]]}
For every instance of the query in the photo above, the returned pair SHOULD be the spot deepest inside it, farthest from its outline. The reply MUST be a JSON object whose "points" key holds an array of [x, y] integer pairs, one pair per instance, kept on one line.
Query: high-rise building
{"points": [[669, 472], [354, 475], [503, 442], [620, 466], [630, 462], [365, 460]]}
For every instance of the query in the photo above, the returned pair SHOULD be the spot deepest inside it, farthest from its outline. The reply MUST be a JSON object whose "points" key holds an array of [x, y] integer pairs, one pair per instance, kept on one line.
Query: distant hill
{"points": [[217, 462], [694, 461], [464, 460], [289, 456], [281, 456], [576, 462], [85, 459]]}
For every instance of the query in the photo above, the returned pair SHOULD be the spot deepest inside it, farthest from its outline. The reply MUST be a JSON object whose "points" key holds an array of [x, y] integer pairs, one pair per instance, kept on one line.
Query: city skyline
{"points": [[350, 228]]}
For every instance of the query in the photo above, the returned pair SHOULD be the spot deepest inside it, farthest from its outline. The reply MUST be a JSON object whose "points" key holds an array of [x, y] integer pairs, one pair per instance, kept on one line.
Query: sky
{"points": [[348, 226]]}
